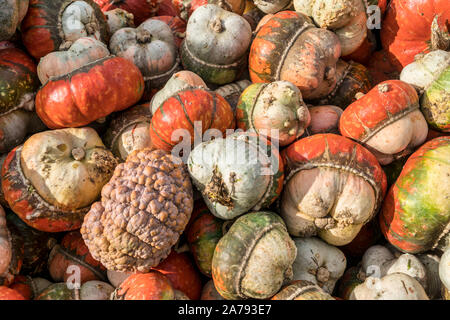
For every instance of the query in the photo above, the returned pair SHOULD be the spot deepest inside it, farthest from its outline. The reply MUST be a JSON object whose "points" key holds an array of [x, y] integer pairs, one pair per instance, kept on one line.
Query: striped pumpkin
{"points": [[182, 110], [416, 211]]}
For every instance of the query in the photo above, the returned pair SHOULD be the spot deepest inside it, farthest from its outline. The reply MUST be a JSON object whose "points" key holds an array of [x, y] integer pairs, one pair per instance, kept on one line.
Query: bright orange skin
{"points": [[22, 203], [146, 286], [330, 147], [73, 245], [380, 68], [10, 294], [141, 10], [183, 275], [166, 8], [177, 26], [40, 31], [22, 285], [375, 108], [406, 28], [89, 93], [183, 109]]}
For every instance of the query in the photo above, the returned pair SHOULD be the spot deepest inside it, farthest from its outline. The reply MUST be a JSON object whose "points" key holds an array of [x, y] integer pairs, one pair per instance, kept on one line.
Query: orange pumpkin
{"points": [[9, 294], [145, 286], [89, 93], [182, 110], [289, 47]]}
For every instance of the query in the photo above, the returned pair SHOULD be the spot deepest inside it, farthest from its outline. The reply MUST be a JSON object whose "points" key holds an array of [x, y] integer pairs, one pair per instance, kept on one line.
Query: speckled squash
{"points": [[216, 44], [237, 174], [289, 47], [386, 120], [10, 294], [182, 274], [52, 179], [151, 47], [415, 218], [147, 286], [72, 251], [89, 93], [302, 290], [254, 258], [352, 78], [58, 291], [203, 233], [129, 131], [18, 85], [52, 25], [36, 245], [333, 187], [274, 110], [182, 110], [140, 9], [414, 26]]}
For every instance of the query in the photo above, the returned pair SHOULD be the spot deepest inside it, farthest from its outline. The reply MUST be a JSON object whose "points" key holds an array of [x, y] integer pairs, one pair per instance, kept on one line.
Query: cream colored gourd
{"points": [[422, 72], [83, 51], [444, 269], [118, 19], [272, 6], [394, 286], [151, 47], [347, 18], [78, 20], [318, 262], [67, 167], [346, 197]]}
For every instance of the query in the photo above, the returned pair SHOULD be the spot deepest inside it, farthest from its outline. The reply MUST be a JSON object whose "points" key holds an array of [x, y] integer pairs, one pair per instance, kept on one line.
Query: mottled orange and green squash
{"points": [[415, 215], [145, 286]]}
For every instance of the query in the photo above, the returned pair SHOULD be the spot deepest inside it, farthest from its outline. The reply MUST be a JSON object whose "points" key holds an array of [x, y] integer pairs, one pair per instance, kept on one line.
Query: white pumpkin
{"points": [[318, 262], [444, 269]]}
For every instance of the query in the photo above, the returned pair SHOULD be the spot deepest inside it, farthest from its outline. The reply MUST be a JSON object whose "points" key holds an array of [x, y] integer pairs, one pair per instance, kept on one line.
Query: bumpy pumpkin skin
{"points": [[203, 233], [42, 191], [73, 252], [352, 78], [18, 85], [83, 51], [129, 131], [10, 294], [394, 127], [140, 9], [151, 47], [182, 110], [118, 19], [289, 47], [302, 290], [407, 29], [147, 286], [237, 174], [11, 14], [152, 194], [216, 44], [314, 202], [89, 93], [182, 274], [254, 258], [52, 25], [276, 106], [415, 217]]}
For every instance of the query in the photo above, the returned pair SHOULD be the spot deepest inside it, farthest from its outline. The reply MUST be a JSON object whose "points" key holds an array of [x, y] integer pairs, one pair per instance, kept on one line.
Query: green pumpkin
{"points": [[254, 258]]}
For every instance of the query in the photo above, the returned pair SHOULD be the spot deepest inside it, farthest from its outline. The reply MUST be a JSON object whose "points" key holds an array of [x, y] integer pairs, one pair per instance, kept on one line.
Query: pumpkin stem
{"points": [[440, 38], [78, 154], [143, 36], [216, 25]]}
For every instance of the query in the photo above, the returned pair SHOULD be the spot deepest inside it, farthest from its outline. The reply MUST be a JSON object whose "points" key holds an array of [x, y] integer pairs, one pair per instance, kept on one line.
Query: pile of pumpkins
{"points": [[237, 149]]}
